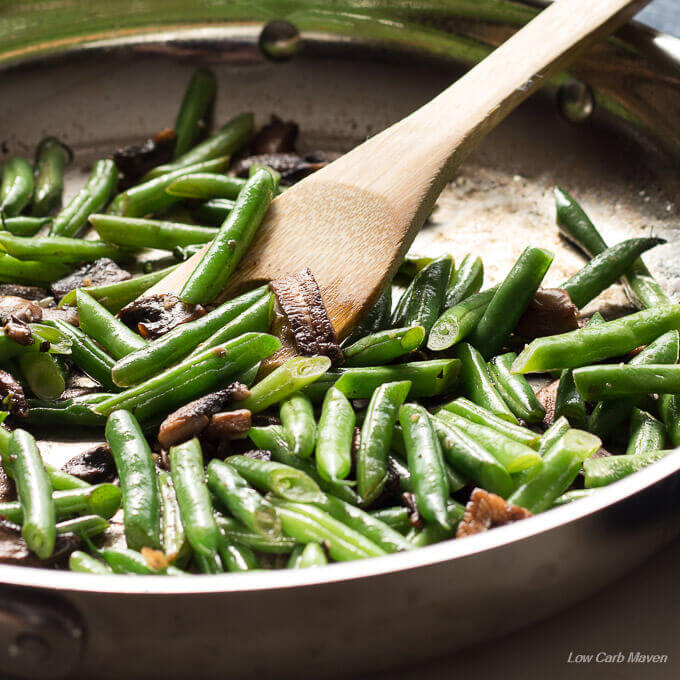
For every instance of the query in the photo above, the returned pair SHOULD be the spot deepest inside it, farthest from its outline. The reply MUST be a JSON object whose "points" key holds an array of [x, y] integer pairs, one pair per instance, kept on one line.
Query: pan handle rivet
{"points": [[575, 101], [279, 40]]}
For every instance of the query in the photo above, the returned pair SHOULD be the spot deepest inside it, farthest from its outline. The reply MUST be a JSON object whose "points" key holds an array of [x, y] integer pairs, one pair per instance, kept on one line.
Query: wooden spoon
{"points": [[352, 221]]}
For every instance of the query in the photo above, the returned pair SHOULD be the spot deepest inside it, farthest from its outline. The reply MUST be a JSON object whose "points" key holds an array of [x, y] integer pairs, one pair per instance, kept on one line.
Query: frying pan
{"points": [[102, 74]]}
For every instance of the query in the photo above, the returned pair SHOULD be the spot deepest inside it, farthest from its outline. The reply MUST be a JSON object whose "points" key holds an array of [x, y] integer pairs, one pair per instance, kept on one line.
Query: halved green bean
{"points": [[310, 555], [606, 268], [398, 517], [198, 98], [608, 381], [457, 322], [471, 411], [151, 196], [593, 343], [184, 339], [87, 525], [646, 433], [136, 470], [472, 460], [236, 557], [30, 272], [242, 501], [556, 472], [605, 471], [90, 199], [425, 462], [192, 378], [377, 319], [384, 347], [113, 335], [173, 536], [136, 232], [299, 424], [226, 141], [376, 435], [231, 242], [669, 409], [334, 436], [511, 454], [214, 211], [186, 467], [83, 563], [290, 377], [51, 157], [428, 378], [510, 301], [514, 389], [17, 185], [44, 374], [466, 281], [203, 185], [236, 532], [75, 411], [478, 385], [23, 226], [34, 491]]}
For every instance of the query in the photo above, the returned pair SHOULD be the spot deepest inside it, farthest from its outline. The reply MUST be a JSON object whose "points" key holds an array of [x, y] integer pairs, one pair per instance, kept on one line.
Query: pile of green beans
{"points": [[434, 396]]}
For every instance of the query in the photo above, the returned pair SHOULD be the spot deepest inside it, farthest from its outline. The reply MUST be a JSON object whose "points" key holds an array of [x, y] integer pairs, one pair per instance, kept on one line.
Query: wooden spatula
{"points": [[353, 221]]}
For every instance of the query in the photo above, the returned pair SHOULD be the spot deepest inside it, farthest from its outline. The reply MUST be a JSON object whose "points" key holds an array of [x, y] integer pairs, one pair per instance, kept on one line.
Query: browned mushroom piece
{"points": [[547, 397], [192, 418], [12, 306], [277, 136], [308, 323], [229, 424], [12, 397], [550, 312], [32, 293], [486, 510], [290, 166], [97, 273], [19, 331], [96, 465], [155, 315], [13, 548], [135, 161]]}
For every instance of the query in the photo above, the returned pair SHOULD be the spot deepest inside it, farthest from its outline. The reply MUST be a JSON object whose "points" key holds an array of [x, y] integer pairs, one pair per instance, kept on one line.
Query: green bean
{"points": [[568, 402], [307, 524], [136, 469], [428, 378], [384, 347], [186, 467], [34, 490], [552, 435], [608, 381], [75, 411], [151, 196], [575, 226], [514, 389], [131, 232], [203, 185], [425, 462], [571, 496], [231, 242], [477, 383], [459, 321], [16, 190], [236, 532], [607, 416], [317, 390], [114, 296], [242, 501], [377, 319], [198, 98], [273, 440], [412, 264], [376, 434], [669, 409], [87, 355], [558, 469], [51, 157], [97, 322], [334, 436], [606, 268], [30, 272], [42, 338], [646, 433], [398, 517], [511, 454], [62, 481], [182, 253], [367, 525], [433, 533], [23, 226], [226, 141], [604, 341], [90, 199], [43, 373], [472, 460], [466, 281], [87, 525], [290, 377], [310, 555], [214, 211], [86, 564], [173, 536], [605, 471], [510, 301], [126, 561], [184, 339], [299, 424], [236, 557], [398, 467], [470, 411]]}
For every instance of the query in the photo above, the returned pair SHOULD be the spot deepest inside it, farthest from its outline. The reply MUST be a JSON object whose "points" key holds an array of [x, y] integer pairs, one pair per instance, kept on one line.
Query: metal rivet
{"points": [[576, 101], [279, 40]]}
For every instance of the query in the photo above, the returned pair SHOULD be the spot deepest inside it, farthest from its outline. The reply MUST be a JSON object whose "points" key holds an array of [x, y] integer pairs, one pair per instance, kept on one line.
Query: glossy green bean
{"points": [[466, 281], [552, 435], [309, 555], [608, 381], [126, 561], [235, 557], [30, 272], [377, 319], [61, 480], [334, 436], [83, 563], [23, 226], [669, 410], [173, 536], [196, 103], [43, 338], [605, 471], [412, 264], [87, 525], [299, 425], [75, 411], [17, 186], [514, 389], [51, 158], [214, 211], [646, 433], [236, 532], [384, 347], [568, 401], [398, 517], [58, 248], [203, 185], [44, 374]]}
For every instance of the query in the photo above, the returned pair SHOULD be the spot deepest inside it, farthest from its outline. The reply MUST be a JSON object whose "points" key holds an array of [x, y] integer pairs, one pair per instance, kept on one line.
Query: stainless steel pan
{"points": [[100, 74]]}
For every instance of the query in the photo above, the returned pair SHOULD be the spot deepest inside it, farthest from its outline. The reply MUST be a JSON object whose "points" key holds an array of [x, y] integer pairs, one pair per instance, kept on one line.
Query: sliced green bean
{"points": [[235, 557], [669, 409], [23, 226], [384, 347], [83, 563], [203, 185], [334, 436], [398, 517], [87, 525], [514, 389], [17, 186], [310, 555], [75, 411], [44, 374], [608, 381], [51, 158], [605, 471], [198, 98], [126, 561], [236, 532], [466, 281], [299, 424], [646, 433]]}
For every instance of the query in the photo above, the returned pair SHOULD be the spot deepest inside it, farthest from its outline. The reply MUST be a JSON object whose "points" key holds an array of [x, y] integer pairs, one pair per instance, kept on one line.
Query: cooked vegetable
{"points": [[51, 156], [198, 98], [17, 185]]}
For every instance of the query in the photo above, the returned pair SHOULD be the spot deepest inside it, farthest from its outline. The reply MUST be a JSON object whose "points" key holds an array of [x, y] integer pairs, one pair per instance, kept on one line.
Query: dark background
{"points": [[641, 612]]}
